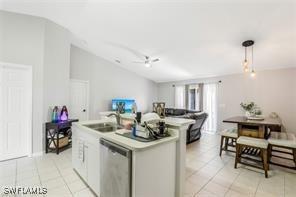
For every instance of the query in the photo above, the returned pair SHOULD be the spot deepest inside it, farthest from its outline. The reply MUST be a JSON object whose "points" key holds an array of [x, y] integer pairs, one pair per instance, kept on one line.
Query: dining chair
{"points": [[283, 140], [226, 135], [246, 146]]}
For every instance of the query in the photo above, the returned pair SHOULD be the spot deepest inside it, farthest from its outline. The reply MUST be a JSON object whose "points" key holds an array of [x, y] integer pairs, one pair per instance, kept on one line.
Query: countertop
{"points": [[127, 142]]}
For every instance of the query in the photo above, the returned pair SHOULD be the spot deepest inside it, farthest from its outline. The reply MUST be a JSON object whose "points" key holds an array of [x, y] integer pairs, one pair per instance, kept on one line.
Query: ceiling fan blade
{"points": [[155, 60], [137, 62]]}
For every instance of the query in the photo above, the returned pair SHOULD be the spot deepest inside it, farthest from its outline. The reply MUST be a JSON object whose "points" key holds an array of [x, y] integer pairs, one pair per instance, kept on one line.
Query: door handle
{"points": [[84, 110]]}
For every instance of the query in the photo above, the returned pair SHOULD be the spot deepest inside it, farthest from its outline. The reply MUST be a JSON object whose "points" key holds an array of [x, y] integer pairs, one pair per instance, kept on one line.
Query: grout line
{"points": [[63, 178], [35, 163], [207, 164], [229, 188]]}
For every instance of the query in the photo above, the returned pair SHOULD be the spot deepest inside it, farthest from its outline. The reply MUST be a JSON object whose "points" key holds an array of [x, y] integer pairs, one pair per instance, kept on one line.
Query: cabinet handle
{"points": [[83, 158]]}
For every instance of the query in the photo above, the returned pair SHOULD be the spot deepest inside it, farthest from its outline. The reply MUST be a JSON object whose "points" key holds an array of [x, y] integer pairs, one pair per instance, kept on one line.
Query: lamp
{"points": [[246, 68]]}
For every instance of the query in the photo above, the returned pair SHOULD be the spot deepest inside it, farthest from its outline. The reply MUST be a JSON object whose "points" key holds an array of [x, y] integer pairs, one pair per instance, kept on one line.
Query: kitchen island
{"points": [[157, 167]]}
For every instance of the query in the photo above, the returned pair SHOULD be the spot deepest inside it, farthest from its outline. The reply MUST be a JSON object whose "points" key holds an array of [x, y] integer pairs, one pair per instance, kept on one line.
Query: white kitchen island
{"points": [[158, 167]]}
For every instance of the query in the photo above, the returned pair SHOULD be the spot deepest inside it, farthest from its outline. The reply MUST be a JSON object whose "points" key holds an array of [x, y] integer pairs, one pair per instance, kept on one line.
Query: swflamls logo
{"points": [[24, 190]]}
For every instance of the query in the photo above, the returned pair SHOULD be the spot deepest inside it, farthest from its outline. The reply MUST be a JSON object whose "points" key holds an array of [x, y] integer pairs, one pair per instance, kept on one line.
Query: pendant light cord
{"points": [[252, 58]]}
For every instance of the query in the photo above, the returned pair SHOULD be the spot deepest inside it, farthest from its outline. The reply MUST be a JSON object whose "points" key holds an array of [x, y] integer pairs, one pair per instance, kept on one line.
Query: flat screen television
{"points": [[127, 104]]}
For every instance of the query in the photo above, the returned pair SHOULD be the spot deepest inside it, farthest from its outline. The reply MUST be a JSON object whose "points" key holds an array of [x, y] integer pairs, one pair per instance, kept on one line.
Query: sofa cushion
{"points": [[179, 112]]}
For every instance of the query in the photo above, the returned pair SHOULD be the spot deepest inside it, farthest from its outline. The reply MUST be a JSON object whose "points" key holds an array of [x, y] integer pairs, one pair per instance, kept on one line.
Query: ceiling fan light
{"points": [[147, 65]]}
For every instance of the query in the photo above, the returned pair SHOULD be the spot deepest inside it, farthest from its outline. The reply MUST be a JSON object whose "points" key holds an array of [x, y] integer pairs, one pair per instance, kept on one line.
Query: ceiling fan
{"points": [[147, 62]]}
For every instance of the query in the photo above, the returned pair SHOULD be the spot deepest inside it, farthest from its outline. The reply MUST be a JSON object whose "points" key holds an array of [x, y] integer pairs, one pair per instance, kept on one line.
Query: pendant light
{"points": [[246, 63]]}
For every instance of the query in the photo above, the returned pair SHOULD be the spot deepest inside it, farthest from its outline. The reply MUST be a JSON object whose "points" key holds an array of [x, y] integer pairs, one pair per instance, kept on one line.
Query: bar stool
{"points": [[282, 140], [225, 136], [252, 146]]}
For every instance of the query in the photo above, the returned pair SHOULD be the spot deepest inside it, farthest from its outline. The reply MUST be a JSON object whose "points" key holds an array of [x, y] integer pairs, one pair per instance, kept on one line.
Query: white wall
{"points": [[109, 81], [272, 90], [56, 67], [45, 46], [22, 42]]}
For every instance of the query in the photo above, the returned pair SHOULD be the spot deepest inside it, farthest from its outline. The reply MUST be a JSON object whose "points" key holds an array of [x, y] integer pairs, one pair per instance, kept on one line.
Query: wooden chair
{"points": [[226, 135], [252, 146], [285, 141]]}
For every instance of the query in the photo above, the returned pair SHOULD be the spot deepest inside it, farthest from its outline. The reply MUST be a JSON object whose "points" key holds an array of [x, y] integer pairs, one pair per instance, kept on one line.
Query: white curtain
{"points": [[180, 97], [210, 106]]}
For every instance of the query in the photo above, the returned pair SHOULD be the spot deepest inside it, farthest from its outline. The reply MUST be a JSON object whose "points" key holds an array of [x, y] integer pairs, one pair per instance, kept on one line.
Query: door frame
{"points": [[30, 94], [87, 93]]}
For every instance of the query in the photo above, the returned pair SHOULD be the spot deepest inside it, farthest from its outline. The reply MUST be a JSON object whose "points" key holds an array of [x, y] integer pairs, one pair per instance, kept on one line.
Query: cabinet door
{"points": [[93, 177], [80, 156]]}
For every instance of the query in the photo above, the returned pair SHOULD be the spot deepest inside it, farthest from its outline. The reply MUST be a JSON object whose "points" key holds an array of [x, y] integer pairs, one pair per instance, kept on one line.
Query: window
{"points": [[210, 106], [180, 97], [194, 97]]}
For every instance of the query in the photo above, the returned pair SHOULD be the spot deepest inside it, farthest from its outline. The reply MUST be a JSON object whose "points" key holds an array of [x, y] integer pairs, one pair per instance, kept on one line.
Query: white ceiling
{"points": [[191, 38]]}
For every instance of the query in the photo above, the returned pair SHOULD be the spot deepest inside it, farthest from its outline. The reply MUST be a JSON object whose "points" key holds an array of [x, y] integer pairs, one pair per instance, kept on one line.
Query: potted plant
{"points": [[251, 109]]}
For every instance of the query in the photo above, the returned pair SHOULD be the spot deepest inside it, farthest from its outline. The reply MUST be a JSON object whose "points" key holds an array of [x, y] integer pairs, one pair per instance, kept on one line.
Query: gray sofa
{"points": [[194, 130]]}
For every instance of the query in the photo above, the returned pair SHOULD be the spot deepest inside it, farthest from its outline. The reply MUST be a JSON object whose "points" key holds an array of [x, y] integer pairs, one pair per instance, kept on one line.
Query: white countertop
{"points": [[178, 122], [124, 141]]}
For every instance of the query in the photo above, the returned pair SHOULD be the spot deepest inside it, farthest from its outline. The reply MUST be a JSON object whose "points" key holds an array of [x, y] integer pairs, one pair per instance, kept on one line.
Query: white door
{"points": [[79, 99], [15, 111]]}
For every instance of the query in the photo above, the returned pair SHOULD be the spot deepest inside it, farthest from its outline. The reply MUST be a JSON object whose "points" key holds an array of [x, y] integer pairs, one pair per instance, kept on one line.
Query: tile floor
{"points": [[207, 175], [51, 171]]}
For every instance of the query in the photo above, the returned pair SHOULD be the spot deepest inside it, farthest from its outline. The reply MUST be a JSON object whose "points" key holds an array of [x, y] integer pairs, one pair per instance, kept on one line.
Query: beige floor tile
{"points": [[205, 193], [232, 193], [190, 189], [53, 183], [71, 177], [84, 193], [31, 182], [66, 171], [62, 191], [76, 186], [195, 164], [26, 175], [215, 189], [189, 172], [49, 175], [199, 180]]}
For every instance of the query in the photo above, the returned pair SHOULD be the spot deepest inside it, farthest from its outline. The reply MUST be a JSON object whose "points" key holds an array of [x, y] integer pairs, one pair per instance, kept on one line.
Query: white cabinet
{"points": [[93, 166], [80, 156], [86, 158]]}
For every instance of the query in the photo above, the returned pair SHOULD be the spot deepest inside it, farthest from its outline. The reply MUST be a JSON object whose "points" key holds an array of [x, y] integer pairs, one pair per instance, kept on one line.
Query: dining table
{"points": [[255, 127]]}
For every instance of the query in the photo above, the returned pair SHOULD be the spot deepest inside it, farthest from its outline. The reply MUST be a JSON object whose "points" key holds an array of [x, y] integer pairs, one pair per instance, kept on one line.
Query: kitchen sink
{"points": [[104, 127]]}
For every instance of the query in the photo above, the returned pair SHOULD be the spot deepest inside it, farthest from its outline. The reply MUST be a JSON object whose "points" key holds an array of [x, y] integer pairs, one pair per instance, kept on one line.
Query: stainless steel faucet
{"points": [[117, 116]]}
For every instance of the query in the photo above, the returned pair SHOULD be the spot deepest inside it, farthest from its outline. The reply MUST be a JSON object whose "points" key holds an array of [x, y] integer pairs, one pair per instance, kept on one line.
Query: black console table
{"points": [[52, 134]]}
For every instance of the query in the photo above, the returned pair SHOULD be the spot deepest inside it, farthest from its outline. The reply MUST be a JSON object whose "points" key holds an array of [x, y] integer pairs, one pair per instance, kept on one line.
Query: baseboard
{"points": [[37, 154]]}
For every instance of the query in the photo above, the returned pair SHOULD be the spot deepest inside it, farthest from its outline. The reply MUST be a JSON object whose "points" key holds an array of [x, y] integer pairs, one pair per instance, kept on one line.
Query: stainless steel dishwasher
{"points": [[115, 170]]}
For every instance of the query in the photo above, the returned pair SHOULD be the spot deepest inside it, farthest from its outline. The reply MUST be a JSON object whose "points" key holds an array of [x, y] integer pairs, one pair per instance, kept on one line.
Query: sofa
{"points": [[194, 130]]}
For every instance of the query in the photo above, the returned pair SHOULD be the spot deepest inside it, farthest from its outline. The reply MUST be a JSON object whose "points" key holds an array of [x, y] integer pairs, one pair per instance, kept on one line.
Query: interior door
{"points": [[15, 112], [79, 99]]}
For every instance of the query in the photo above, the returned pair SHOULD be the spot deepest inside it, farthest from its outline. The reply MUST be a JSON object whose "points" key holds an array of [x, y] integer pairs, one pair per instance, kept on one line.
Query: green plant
{"points": [[251, 107], [248, 106]]}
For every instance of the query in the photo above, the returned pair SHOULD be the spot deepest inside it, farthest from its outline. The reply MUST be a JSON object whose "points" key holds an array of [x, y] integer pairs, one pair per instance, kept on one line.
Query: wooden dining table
{"points": [[255, 128]]}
